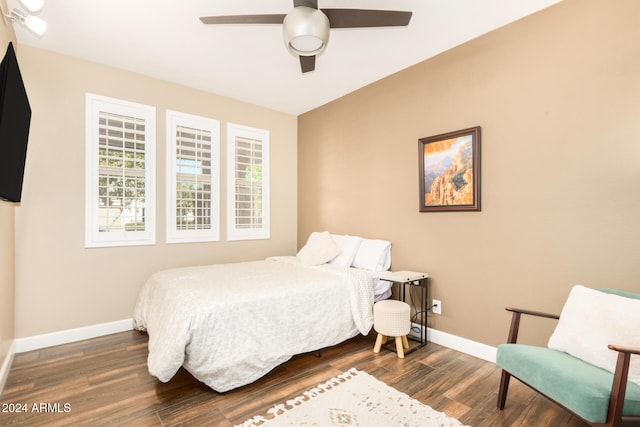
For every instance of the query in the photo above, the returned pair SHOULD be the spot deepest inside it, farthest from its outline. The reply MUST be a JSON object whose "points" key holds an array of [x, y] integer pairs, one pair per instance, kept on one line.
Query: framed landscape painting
{"points": [[450, 171]]}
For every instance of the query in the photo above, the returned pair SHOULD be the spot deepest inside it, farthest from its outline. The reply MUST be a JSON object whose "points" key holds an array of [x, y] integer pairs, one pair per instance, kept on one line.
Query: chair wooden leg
{"points": [[399, 348], [504, 388], [405, 341], [379, 338]]}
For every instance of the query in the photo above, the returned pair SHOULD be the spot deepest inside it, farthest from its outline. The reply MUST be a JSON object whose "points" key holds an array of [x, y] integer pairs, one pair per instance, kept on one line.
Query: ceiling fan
{"points": [[306, 28]]}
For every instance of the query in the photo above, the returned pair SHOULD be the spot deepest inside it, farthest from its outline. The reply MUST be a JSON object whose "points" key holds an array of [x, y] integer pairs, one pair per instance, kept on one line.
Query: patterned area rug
{"points": [[353, 398]]}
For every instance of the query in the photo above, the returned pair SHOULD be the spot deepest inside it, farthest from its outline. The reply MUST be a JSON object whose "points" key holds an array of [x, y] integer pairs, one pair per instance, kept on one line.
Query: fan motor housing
{"points": [[305, 31]]}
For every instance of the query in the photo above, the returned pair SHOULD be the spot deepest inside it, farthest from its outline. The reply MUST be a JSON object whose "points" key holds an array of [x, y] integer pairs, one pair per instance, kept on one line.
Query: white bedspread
{"points": [[230, 324]]}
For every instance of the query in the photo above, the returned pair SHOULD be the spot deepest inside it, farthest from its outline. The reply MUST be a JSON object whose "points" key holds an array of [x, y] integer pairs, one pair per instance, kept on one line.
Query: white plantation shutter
{"points": [[121, 172], [248, 183], [193, 206], [193, 179], [120, 169]]}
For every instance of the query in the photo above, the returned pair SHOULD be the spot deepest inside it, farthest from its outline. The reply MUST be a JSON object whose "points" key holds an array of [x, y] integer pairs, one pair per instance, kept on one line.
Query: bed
{"points": [[230, 324]]}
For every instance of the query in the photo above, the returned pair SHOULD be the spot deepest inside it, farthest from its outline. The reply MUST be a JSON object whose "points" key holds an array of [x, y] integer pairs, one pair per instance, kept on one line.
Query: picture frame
{"points": [[449, 168]]}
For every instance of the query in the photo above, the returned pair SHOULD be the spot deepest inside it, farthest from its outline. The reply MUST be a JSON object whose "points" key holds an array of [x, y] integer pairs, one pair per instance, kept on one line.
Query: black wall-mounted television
{"points": [[15, 119]]}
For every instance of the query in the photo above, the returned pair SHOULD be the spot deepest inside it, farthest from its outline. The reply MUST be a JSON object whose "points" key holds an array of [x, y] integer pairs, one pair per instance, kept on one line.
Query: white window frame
{"points": [[176, 119], [95, 104], [235, 132]]}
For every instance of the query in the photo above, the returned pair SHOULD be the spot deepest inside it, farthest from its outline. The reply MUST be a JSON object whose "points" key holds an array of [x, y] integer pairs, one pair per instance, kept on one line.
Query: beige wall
{"points": [[60, 284], [557, 95], [7, 277], [7, 240]]}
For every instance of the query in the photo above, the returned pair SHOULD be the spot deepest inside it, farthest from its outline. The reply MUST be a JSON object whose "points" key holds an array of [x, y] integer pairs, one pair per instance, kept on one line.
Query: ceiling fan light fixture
{"points": [[305, 31], [33, 23], [306, 44], [32, 5]]}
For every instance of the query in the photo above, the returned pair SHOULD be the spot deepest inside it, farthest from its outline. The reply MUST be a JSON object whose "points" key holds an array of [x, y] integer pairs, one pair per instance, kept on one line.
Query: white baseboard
{"points": [[71, 335], [464, 345], [36, 342], [6, 365]]}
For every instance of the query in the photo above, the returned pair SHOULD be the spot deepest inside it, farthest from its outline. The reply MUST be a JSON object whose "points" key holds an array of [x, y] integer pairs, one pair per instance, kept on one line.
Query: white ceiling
{"points": [[165, 39]]}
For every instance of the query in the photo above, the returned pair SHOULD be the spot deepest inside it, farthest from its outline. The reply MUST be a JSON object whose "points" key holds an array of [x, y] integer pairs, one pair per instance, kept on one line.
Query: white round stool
{"points": [[392, 318]]}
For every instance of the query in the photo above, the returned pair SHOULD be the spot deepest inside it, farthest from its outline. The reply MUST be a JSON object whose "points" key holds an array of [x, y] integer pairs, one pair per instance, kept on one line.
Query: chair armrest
{"points": [[532, 313], [620, 376], [624, 349], [515, 321]]}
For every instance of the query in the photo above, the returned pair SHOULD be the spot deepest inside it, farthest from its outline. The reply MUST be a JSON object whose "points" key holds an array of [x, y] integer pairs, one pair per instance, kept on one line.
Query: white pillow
{"points": [[373, 255], [320, 249], [348, 248], [591, 320]]}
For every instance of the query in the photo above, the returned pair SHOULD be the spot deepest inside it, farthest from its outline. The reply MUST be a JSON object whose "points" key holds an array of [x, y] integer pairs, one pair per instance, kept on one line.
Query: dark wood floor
{"points": [[104, 381]]}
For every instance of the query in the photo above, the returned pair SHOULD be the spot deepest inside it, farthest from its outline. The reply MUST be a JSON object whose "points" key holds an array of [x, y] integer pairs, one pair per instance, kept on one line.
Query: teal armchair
{"points": [[595, 395]]}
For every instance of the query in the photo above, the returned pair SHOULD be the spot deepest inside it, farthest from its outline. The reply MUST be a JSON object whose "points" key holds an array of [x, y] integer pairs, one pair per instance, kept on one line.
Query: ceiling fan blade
{"points": [[357, 18], [244, 19], [308, 3], [307, 63]]}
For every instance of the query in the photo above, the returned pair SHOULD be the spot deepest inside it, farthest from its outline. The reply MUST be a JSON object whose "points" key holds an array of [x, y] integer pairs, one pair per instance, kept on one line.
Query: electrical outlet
{"points": [[437, 306]]}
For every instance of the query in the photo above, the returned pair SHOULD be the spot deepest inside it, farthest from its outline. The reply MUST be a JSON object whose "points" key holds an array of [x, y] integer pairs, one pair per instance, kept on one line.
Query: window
{"points": [[120, 172], [248, 183], [193, 168]]}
